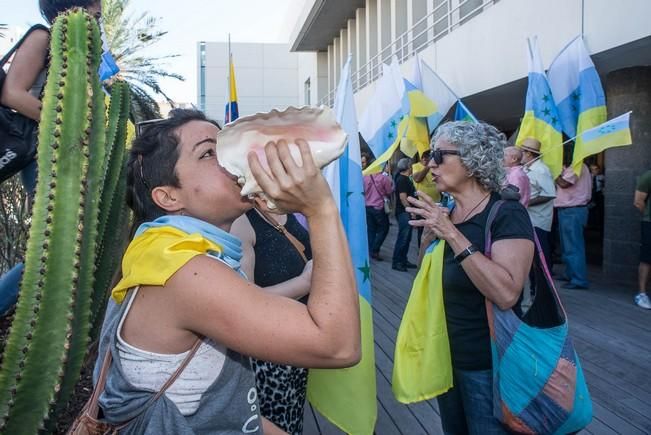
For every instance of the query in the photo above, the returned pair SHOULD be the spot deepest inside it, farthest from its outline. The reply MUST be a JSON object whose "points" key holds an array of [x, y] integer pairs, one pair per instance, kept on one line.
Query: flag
{"points": [[461, 113], [232, 112], [107, 67], [419, 108], [422, 366], [439, 92], [381, 124], [347, 397], [541, 120], [577, 91], [613, 133]]}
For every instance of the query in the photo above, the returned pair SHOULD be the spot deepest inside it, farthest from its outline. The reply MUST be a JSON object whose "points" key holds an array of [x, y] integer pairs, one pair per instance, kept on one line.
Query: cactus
{"points": [[48, 336], [113, 212]]}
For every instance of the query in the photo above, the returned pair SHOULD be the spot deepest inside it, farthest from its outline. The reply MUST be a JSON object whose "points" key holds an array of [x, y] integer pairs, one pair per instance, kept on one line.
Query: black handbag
{"points": [[17, 132]]}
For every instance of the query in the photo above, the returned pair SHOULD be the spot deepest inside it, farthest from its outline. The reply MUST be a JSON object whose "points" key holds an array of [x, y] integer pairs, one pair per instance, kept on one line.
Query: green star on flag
{"points": [[546, 98], [366, 270], [546, 112]]}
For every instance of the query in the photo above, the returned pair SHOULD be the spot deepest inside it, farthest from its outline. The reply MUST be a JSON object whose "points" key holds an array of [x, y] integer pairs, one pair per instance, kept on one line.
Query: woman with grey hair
{"points": [[404, 189], [466, 163]]}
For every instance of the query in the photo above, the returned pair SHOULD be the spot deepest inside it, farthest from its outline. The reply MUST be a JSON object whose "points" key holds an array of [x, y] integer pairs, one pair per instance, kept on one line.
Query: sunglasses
{"points": [[437, 155], [144, 125]]}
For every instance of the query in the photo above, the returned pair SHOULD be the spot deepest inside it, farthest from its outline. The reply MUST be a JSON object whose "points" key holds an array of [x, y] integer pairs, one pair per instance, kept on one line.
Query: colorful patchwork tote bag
{"points": [[538, 384]]}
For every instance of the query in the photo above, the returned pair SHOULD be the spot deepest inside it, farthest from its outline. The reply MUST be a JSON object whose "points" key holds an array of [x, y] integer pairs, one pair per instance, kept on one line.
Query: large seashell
{"points": [[316, 125]]}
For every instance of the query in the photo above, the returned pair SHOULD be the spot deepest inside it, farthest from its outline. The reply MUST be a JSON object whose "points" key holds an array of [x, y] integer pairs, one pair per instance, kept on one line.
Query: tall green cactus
{"points": [[113, 211], [49, 333]]}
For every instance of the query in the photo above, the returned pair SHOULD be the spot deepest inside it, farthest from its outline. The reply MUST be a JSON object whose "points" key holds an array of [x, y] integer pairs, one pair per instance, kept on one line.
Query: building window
{"points": [[202, 76], [308, 92]]}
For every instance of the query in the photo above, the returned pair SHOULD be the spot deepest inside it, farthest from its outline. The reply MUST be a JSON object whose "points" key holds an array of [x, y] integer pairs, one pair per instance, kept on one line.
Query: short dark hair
{"points": [[152, 162], [50, 9]]}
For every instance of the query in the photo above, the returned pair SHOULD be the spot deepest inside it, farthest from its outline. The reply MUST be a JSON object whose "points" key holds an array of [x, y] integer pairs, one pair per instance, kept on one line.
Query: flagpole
{"points": [[230, 91], [571, 139]]}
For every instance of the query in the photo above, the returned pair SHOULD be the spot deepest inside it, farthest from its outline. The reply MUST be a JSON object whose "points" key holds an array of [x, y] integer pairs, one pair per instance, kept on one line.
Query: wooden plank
{"points": [[616, 423]]}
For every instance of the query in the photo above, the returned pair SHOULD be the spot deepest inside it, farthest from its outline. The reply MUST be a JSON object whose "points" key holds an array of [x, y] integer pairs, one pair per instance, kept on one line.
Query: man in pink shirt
{"points": [[377, 187], [573, 194], [515, 175]]}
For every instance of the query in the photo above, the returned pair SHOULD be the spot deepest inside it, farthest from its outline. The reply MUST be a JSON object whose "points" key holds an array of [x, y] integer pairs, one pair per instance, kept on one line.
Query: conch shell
{"points": [[316, 125]]}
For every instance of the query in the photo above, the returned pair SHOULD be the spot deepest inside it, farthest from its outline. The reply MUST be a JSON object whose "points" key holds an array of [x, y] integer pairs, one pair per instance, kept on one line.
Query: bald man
{"points": [[515, 175]]}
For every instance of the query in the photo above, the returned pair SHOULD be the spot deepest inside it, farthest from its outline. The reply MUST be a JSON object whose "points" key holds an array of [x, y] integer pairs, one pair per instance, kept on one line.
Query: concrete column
{"points": [[384, 29], [343, 51], [417, 21], [337, 64], [322, 73], [372, 41], [361, 58], [626, 89], [399, 21], [331, 70], [352, 45]]}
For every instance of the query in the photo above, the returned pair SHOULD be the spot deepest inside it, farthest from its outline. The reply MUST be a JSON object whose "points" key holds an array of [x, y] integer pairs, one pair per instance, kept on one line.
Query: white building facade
{"points": [[477, 46], [266, 77]]}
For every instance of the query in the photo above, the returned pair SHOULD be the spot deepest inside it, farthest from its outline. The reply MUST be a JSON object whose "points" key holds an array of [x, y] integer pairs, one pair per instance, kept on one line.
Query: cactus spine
{"points": [[49, 333]]}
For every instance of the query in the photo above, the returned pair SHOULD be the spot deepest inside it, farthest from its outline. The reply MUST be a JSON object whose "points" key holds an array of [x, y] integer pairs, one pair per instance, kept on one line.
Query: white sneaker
{"points": [[642, 301]]}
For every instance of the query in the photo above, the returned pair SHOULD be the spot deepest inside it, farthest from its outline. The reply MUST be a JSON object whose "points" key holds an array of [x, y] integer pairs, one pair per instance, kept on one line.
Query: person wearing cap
{"points": [[404, 188], [541, 194]]}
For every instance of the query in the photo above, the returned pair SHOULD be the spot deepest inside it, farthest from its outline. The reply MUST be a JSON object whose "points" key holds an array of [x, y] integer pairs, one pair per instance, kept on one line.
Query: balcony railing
{"points": [[445, 17]]}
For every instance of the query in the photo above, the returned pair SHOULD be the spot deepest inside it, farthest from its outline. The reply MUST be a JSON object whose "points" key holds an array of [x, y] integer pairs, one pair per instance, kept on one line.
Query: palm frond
{"points": [[127, 36]]}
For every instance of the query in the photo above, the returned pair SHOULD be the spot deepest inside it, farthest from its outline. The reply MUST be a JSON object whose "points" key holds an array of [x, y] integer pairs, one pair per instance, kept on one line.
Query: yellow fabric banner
{"points": [[422, 363]]}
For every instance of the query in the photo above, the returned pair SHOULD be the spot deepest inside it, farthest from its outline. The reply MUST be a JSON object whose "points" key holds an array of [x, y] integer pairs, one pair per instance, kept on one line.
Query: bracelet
{"points": [[465, 253]]}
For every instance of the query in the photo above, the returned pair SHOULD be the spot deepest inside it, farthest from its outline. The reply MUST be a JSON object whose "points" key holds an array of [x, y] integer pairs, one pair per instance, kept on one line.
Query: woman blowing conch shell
{"points": [[182, 286]]}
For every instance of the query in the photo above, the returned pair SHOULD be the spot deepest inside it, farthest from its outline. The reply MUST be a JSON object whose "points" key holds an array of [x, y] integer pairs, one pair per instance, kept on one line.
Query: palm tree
{"points": [[127, 36]]}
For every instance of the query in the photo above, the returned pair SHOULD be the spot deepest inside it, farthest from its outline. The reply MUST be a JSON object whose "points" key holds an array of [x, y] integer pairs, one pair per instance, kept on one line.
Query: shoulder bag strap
{"points": [[13, 49], [165, 386], [281, 229], [92, 406], [375, 185], [538, 251]]}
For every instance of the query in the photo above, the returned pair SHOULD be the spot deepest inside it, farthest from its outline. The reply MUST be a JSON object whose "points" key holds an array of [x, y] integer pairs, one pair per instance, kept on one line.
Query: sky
{"points": [[190, 21]]}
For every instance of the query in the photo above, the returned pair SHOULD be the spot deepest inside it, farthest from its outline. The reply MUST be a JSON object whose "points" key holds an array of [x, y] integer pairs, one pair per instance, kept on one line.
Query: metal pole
{"points": [[230, 60]]}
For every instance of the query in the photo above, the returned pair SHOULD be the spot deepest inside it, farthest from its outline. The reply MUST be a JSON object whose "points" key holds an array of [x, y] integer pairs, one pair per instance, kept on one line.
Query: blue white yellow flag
{"points": [[419, 108], [231, 111], [439, 93], [541, 120], [577, 91], [347, 397], [379, 123], [613, 133], [462, 113]]}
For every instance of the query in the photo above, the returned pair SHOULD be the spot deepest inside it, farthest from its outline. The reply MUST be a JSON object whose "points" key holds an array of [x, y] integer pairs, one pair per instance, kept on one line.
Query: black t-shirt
{"points": [[404, 185], [465, 307]]}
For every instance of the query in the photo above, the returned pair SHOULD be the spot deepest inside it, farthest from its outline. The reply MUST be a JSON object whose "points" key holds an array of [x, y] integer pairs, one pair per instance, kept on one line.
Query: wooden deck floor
{"points": [[611, 335]]}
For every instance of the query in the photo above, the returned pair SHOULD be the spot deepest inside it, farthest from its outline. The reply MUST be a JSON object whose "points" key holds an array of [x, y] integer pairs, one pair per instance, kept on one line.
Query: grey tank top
{"points": [[229, 406]]}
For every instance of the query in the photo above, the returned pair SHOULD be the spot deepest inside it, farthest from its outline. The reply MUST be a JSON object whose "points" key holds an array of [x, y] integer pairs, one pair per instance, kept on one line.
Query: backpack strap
{"points": [[13, 49]]}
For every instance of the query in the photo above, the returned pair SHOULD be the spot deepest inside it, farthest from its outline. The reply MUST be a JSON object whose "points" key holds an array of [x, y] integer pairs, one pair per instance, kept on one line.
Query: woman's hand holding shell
{"points": [[290, 186]]}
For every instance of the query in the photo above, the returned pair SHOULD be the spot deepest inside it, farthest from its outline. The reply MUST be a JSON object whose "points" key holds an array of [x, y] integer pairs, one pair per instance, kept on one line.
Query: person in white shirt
{"points": [[542, 193]]}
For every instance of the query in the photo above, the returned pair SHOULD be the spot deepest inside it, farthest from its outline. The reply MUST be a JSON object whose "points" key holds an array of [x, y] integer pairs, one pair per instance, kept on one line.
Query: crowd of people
{"points": [[565, 204]]}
